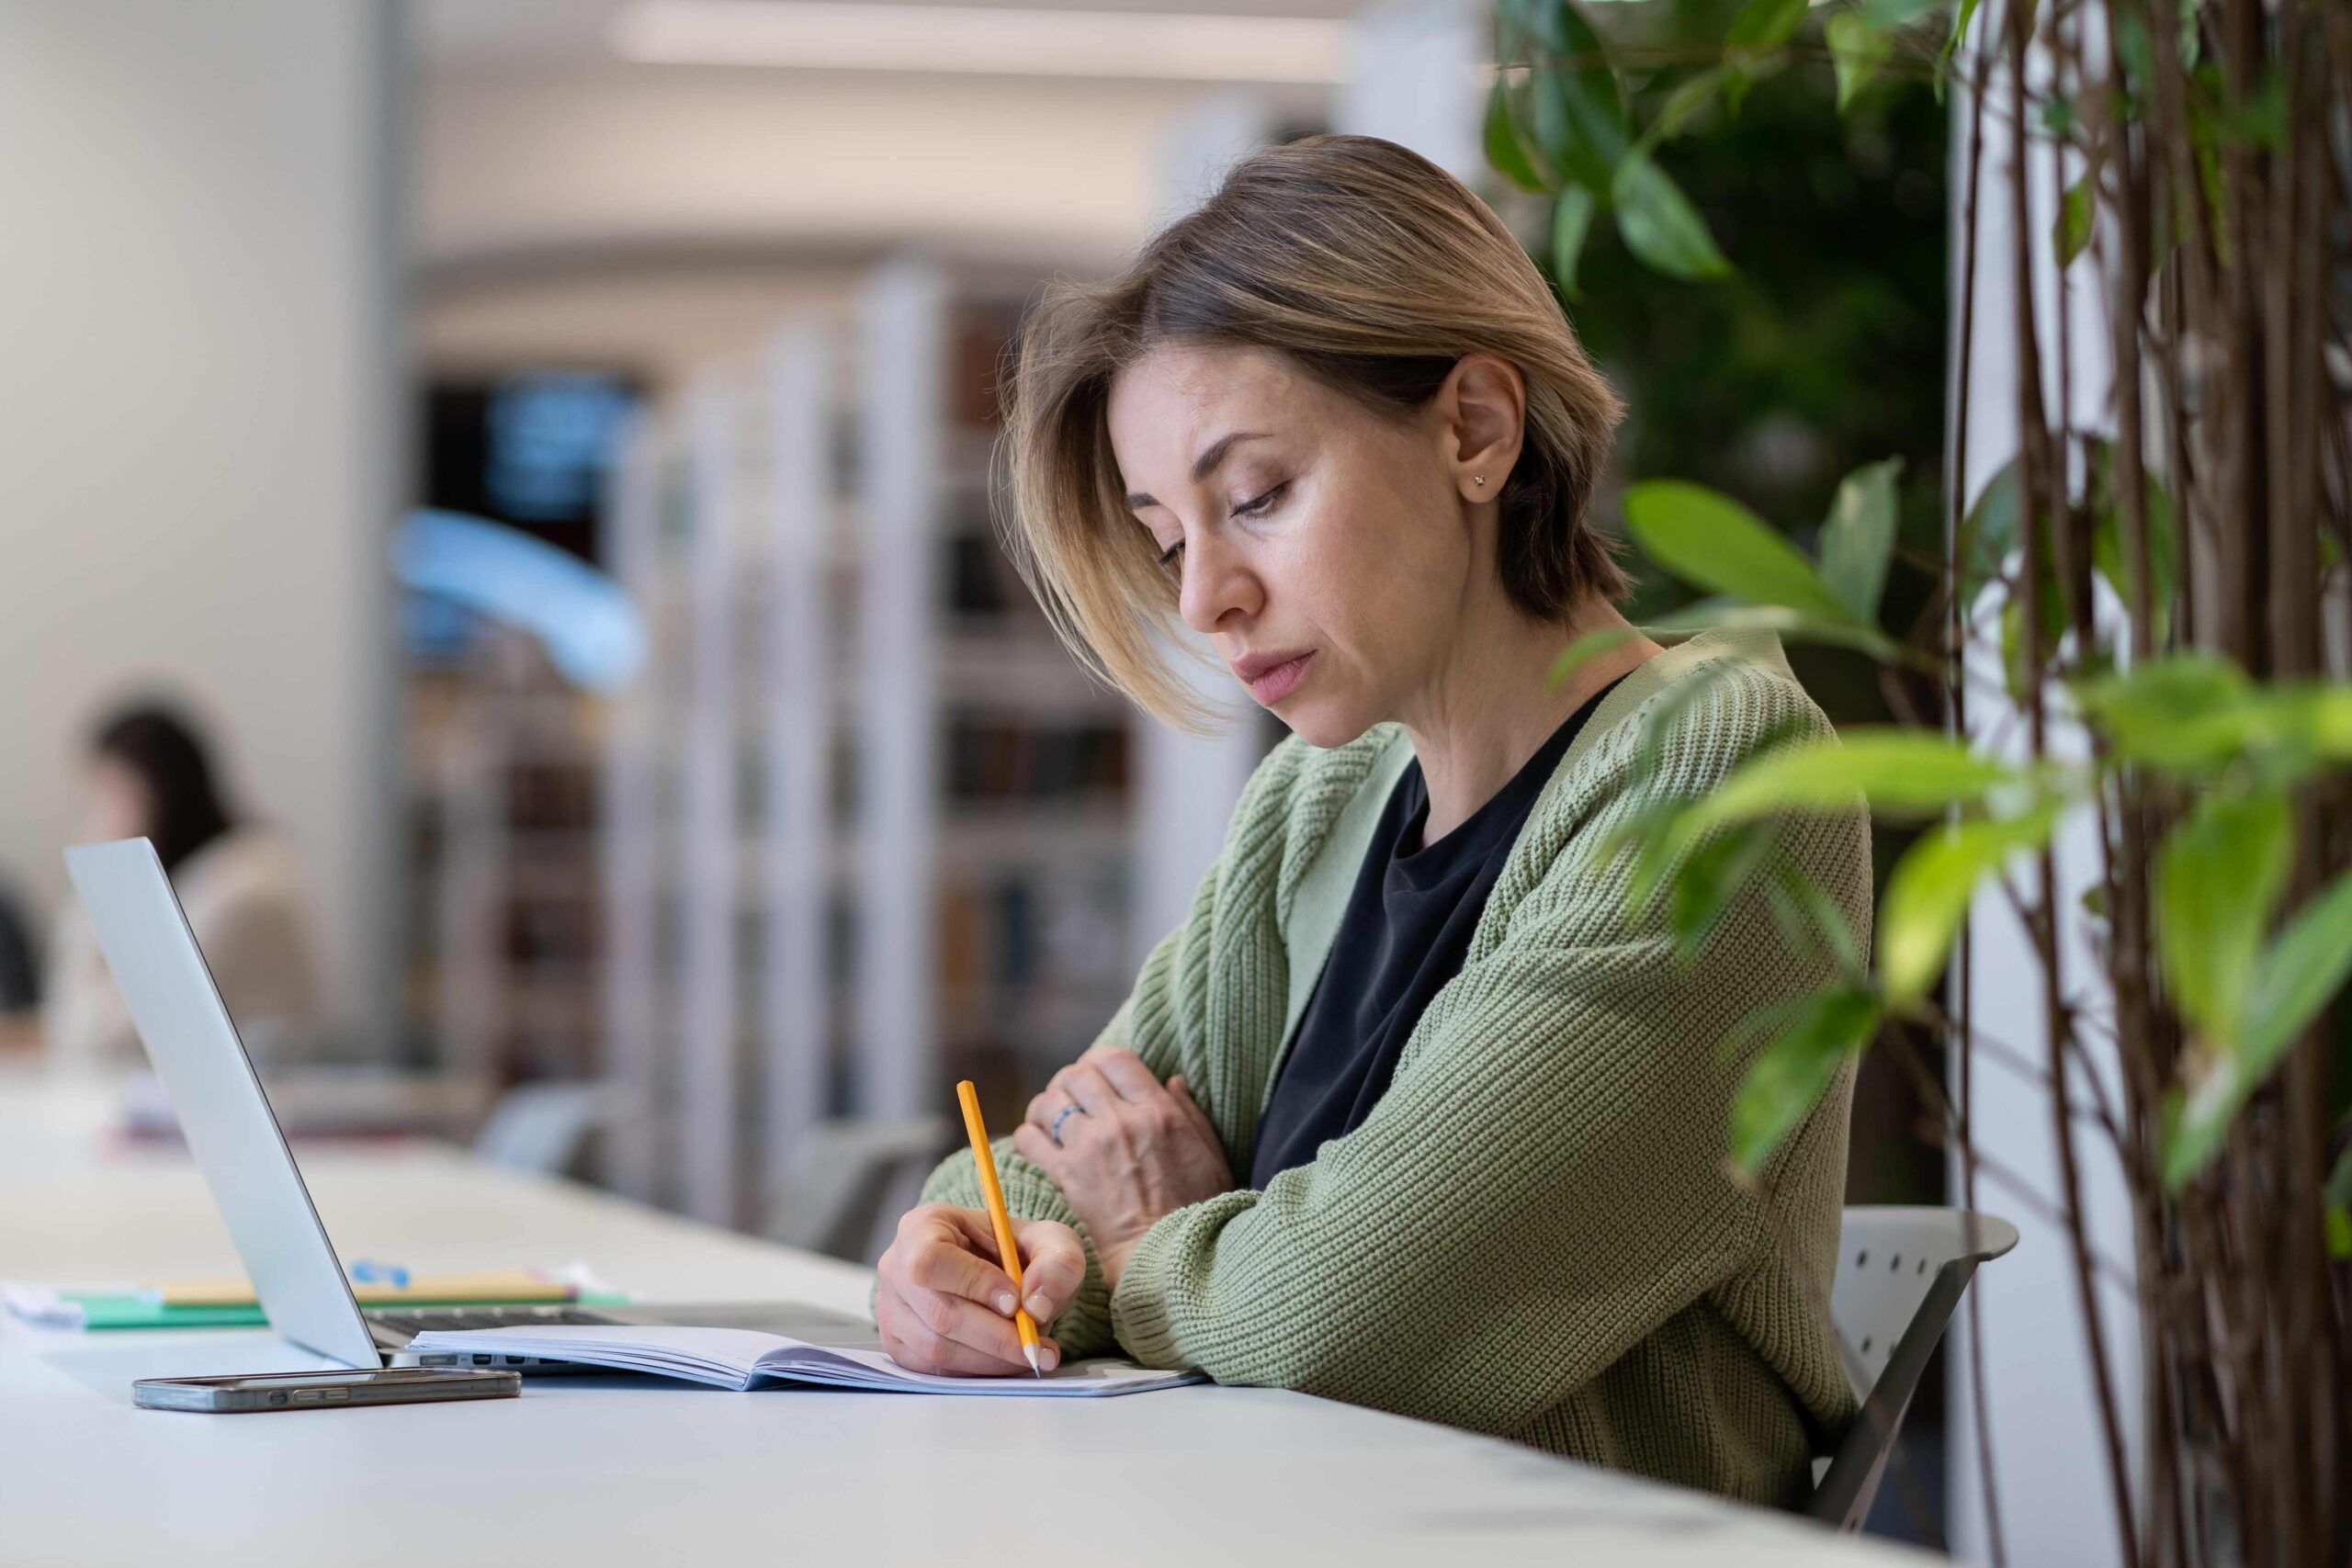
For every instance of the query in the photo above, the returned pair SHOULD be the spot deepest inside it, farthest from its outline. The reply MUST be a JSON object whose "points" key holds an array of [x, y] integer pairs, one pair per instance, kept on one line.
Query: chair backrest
{"points": [[543, 1126], [1901, 1271], [840, 1175]]}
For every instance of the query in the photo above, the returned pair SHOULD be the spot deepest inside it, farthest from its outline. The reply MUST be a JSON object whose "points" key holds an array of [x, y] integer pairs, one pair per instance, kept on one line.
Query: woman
{"points": [[1412, 1110], [149, 776]]}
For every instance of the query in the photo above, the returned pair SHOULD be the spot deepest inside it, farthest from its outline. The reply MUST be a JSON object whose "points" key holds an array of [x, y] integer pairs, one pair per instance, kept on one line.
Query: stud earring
{"points": [[1482, 478]]}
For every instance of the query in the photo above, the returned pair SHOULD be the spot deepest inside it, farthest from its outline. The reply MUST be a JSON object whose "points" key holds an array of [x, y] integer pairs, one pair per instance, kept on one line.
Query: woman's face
{"points": [[119, 803], [1324, 550]]}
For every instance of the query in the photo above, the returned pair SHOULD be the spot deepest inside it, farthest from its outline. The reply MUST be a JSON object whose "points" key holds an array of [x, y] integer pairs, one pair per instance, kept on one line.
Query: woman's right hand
{"points": [[944, 1307]]}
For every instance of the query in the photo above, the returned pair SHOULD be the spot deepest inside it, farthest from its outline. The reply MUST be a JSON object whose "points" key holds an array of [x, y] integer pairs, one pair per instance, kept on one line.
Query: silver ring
{"points": [[1054, 1128]]}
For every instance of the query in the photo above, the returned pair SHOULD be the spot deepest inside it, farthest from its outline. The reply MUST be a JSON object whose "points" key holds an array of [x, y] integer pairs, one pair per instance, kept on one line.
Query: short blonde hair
{"points": [[1369, 268]]}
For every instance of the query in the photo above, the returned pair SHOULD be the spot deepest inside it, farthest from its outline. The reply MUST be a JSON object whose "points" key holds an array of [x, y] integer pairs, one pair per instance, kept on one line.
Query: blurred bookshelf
{"points": [[862, 825], [995, 821], [505, 755], [866, 826]]}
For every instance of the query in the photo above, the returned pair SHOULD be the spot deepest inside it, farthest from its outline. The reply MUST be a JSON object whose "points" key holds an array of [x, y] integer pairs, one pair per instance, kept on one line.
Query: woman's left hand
{"points": [[1129, 1151]]}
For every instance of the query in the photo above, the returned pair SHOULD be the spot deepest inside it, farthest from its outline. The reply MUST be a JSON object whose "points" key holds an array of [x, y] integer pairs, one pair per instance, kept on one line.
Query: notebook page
{"points": [[844, 1367], [737, 1358]]}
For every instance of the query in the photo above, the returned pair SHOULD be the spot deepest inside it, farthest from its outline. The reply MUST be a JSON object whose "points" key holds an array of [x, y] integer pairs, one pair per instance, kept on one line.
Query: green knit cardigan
{"points": [[1533, 1233]]}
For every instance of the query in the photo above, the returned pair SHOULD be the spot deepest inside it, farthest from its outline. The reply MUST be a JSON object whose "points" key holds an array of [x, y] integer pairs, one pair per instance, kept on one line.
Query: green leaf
{"points": [[1579, 105], [2339, 1207], [1708, 539], [2190, 1125], [2217, 206], [1929, 892], [1857, 48], [1587, 649], [1544, 21], [1571, 220], [1809, 922], [2014, 675], [1960, 21], [2108, 521], [1990, 530], [2316, 714], [1790, 625], [1709, 881], [1659, 224], [2219, 875], [1887, 15], [2053, 629], [2076, 211], [1812, 1039], [1682, 105], [1858, 537], [1504, 149], [1901, 772], [2195, 714], [2296, 977], [2164, 711], [2135, 49], [1763, 25]]}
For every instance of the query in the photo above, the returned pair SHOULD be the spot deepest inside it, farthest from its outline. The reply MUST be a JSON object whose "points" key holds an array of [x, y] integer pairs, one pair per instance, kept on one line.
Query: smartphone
{"points": [[324, 1390]]}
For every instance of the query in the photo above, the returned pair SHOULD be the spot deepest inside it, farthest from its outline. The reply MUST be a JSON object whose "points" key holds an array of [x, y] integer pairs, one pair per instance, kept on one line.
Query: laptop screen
{"points": [[213, 1089]]}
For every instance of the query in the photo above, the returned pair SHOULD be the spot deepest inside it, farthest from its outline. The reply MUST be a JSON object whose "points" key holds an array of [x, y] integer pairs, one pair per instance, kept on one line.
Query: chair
{"points": [[843, 1177], [1900, 1272], [543, 1126]]}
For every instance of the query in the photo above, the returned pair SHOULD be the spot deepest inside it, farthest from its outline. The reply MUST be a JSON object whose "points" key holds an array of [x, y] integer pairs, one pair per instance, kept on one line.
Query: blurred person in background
{"points": [[149, 774], [20, 977], [1335, 422]]}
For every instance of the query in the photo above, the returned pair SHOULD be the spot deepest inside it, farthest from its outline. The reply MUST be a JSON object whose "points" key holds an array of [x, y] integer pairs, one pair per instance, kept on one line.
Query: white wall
{"points": [[194, 468], [534, 162]]}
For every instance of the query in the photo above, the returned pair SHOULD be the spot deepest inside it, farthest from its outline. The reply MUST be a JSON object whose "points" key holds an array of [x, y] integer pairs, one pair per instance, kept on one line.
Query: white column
{"points": [[2048, 1453], [1214, 131], [707, 1013], [199, 388], [1418, 74], [628, 829], [903, 350], [1186, 785], [796, 713]]}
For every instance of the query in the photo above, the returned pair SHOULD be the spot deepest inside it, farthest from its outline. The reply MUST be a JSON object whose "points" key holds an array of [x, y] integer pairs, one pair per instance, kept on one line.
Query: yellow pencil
{"points": [[1007, 1252]]}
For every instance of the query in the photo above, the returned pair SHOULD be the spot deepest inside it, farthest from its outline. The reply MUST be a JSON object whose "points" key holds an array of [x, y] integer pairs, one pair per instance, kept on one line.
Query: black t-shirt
{"points": [[1405, 933]]}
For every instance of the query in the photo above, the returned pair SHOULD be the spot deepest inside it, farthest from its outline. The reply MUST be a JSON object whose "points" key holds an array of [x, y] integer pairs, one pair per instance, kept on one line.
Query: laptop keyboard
{"points": [[417, 1320]]}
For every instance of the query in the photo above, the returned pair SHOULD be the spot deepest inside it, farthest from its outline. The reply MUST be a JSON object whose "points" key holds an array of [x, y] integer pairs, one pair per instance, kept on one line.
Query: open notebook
{"points": [[747, 1358]]}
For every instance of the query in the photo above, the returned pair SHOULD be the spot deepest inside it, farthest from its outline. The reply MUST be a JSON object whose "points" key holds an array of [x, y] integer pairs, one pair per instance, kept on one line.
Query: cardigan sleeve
{"points": [[1166, 1022], [1539, 1189], [1083, 1328]]}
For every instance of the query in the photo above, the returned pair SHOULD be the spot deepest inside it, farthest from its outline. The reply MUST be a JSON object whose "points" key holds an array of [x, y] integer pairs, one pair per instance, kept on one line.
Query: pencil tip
{"points": [[1031, 1352]]}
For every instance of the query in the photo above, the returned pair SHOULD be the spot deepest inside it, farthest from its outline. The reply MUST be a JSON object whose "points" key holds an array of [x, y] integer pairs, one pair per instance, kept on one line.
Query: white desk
{"points": [[644, 1471]]}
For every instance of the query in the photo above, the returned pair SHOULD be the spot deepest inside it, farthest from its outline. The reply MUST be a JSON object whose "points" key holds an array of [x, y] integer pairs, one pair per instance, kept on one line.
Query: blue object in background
{"points": [[594, 635], [551, 439], [364, 1271]]}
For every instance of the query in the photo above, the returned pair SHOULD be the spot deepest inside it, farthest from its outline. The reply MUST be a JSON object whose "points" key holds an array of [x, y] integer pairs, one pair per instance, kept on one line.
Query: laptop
{"points": [[242, 1153]]}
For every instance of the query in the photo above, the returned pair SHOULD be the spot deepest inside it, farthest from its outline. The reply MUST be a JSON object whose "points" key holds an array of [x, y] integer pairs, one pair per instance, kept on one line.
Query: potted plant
{"points": [[2164, 605]]}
